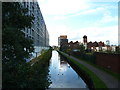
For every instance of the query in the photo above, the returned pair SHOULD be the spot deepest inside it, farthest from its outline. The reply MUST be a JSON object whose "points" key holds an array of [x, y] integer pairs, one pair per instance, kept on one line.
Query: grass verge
{"points": [[113, 74], [98, 83], [23, 75], [39, 71]]}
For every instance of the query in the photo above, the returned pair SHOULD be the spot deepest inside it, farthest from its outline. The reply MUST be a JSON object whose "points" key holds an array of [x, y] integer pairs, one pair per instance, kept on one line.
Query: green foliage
{"points": [[68, 50], [42, 51], [15, 77], [39, 71], [14, 19], [98, 83], [81, 48], [89, 57], [15, 15], [15, 47], [27, 76], [118, 49]]}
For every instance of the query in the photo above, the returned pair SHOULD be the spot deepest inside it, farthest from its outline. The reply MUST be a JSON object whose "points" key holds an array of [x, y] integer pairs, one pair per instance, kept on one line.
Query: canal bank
{"points": [[62, 75], [38, 71], [81, 73], [107, 80]]}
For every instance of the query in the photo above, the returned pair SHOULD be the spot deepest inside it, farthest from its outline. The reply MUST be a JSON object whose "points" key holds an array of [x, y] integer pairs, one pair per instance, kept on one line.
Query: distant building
{"points": [[95, 46], [89, 46], [73, 45], [85, 41], [62, 41], [63, 36]]}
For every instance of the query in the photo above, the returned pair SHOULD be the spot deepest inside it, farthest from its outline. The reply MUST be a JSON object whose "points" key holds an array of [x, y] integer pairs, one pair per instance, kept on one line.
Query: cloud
{"points": [[62, 7], [93, 33], [56, 31], [92, 11], [86, 12], [105, 0], [106, 19], [55, 11], [96, 34]]}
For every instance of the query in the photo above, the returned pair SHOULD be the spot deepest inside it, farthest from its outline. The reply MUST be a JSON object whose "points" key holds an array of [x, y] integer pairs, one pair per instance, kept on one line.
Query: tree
{"points": [[82, 49], [14, 20], [15, 47]]}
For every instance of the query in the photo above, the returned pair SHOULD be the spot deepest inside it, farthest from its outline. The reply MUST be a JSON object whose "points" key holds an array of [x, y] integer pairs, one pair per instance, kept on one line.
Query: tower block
{"points": [[85, 41]]}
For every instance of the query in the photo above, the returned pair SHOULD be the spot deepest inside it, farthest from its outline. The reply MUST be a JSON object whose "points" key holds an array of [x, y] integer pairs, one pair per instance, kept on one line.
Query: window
{"points": [[32, 32], [27, 30]]}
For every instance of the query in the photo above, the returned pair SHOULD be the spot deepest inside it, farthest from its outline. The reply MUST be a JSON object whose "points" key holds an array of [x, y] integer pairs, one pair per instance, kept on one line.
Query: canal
{"points": [[62, 75]]}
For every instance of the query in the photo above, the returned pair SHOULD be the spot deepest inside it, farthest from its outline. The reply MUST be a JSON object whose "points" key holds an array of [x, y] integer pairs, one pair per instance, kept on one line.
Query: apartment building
{"points": [[38, 32]]}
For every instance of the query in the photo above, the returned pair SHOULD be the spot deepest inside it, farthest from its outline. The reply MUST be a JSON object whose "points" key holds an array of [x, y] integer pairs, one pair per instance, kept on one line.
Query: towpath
{"points": [[110, 81]]}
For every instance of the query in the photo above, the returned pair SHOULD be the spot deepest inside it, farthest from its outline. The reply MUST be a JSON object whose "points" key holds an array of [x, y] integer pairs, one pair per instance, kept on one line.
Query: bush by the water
{"points": [[85, 56], [27, 76]]}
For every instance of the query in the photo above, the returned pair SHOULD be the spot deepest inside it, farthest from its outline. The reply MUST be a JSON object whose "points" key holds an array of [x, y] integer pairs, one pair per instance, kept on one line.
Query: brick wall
{"points": [[110, 61]]}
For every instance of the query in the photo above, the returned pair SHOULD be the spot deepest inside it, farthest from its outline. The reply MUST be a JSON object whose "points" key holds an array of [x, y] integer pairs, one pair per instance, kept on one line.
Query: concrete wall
{"points": [[110, 61]]}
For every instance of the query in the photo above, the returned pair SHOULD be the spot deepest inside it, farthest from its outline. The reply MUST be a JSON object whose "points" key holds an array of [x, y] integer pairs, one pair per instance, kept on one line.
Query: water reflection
{"points": [[62, 75]]}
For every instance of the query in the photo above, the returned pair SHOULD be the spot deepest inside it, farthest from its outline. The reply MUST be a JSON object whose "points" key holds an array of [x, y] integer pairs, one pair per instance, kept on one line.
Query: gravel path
{"points": [[110, 81]]}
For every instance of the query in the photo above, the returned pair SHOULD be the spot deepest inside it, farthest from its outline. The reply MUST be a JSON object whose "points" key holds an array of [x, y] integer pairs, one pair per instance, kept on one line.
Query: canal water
{"points": [[62, 75]]}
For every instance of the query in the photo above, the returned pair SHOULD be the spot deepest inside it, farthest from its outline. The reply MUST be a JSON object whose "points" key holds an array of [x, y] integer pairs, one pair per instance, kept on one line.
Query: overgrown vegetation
{"points": [[91, 59], [98, 83], [39, 71], [15, 47], [115, 75], [16, 73], [27, 76]]}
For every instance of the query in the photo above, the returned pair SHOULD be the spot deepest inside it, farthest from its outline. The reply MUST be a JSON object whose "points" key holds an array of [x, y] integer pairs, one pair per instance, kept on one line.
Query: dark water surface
{"points": [[62, 75]]}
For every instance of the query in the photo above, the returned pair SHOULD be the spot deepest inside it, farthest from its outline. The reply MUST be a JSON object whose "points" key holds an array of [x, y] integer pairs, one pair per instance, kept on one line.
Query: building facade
{"points": [[38, 32], [62, 41]]}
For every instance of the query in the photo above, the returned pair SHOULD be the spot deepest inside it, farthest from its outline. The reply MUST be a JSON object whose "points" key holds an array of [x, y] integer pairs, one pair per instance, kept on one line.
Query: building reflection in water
{"points": [[62, 75], [63, 66]]}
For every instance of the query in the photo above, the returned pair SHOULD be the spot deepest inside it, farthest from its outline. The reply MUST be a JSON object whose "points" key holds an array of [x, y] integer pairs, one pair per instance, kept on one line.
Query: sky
{"points": [[98, 19]]}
